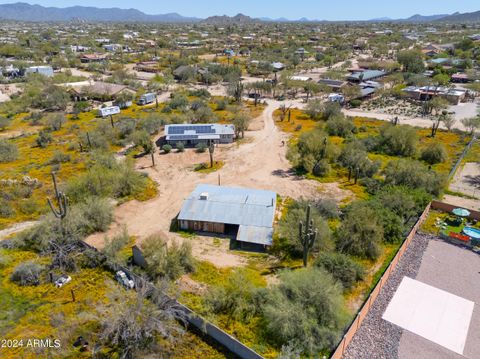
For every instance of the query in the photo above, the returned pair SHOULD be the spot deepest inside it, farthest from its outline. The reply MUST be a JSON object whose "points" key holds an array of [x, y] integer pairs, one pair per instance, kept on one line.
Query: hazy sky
{"points": [[292, 9]]}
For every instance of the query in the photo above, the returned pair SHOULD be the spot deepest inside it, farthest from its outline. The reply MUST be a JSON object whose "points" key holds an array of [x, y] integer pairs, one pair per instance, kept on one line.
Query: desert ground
{"points": [[258, 161]]}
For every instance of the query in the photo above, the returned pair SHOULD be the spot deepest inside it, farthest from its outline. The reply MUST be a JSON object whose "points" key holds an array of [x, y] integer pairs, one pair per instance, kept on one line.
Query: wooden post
{"points": [[219, 179], [51, 277], [111, 121], [73, 295]]}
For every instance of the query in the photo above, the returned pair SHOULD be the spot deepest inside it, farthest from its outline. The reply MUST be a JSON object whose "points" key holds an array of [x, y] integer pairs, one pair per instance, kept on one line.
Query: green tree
{"points": [[434, 153], [360, 232], [341, 267], [411, 61], [305, 309]]}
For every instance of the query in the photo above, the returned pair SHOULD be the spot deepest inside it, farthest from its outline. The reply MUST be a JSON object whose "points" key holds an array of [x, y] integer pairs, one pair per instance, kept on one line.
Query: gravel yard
{"points": [[376, 337], [436, 263]]}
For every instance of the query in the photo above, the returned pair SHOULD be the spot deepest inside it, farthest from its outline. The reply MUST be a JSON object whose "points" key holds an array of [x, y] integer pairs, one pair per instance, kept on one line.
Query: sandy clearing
{"points": [[467, 180], [259, 162], [17, 227]]}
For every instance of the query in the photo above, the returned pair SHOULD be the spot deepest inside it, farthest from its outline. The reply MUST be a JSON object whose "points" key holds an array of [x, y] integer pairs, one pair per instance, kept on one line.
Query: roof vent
{"points": [[204, 196]]}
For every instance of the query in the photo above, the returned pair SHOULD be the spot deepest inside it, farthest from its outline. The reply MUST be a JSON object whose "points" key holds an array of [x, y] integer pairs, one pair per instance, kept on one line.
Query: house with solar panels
{"points": [[192, 134], [242, 213]]}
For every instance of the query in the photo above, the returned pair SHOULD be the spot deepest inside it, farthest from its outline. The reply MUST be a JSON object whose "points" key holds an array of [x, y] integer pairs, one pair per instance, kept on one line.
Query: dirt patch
{"points": [[258, 162], [467, 180]]}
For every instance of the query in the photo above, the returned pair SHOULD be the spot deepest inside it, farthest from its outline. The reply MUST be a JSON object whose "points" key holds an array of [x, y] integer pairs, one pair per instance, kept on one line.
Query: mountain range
{"points": [[26, 12]]}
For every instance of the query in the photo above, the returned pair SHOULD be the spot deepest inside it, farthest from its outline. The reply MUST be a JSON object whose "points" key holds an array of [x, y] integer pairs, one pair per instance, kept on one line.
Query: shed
{"points": [[247, 214]]}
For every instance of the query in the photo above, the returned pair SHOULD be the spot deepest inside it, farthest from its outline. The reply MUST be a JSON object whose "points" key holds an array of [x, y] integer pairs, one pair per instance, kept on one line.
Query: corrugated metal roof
{"points": [[366, 75], [258, 235], [233, 205]]}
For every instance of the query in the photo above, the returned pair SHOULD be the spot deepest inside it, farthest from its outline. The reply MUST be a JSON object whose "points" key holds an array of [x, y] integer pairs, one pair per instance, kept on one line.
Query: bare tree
{"points": [[133, 322]]}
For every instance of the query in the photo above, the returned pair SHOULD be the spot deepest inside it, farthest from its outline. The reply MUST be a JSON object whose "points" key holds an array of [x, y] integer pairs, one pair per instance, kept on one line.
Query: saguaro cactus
{"points": [[307, 236], [62, 201], [211, 149]]}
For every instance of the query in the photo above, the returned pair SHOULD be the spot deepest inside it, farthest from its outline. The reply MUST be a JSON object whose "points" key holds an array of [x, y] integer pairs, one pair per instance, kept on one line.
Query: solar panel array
{"points": [[178, 130]]}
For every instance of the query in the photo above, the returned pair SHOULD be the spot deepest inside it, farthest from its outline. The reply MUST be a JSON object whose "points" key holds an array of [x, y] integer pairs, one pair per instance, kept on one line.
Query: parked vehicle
{"points": [[146, 99], [124, 280], [62, 280]]}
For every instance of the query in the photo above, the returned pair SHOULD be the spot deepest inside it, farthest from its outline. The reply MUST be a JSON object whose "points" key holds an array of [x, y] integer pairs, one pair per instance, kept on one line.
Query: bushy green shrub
{"points": [[112, 246], [8, 151], [201, 147], [306, 310], [360, 232], [27, 273], [44, 138], [167, 259], [288, 242], [166, 148], [98, 214], [341, 267], [399, 140], [321, 168], [180, 146], [434, 153], [235, 297], [339, 126]]}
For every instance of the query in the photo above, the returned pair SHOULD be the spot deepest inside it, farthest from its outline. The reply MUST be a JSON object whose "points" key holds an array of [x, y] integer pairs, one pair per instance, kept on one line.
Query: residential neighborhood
{"points": [[248, 180]]}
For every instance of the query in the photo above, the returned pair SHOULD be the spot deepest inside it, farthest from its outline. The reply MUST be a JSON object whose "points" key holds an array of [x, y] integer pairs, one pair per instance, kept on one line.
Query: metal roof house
{"points": [[191, 134], [246, 213], [366, 75]]}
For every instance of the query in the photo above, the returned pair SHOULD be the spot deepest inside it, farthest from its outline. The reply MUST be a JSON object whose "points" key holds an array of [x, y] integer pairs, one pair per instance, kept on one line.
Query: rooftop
{"points": [[366, 75], [253, 210], [198, 131]]}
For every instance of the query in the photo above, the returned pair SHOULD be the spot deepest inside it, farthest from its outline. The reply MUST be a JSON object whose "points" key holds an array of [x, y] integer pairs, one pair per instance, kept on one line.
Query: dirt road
{"points": [[258, 162]]}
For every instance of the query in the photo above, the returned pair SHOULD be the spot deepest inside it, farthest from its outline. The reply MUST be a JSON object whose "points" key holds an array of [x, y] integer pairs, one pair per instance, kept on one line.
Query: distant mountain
{"points": [[414, 18], [26, 12], [229, 20], [421, 18], [466, 17]]}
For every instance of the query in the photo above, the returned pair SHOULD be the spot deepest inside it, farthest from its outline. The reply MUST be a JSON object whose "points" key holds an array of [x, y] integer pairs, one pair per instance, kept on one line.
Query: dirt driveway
{"points": [[258, 162]]}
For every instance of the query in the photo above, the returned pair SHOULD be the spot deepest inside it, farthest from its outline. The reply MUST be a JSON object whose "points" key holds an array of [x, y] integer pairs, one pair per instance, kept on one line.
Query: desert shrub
{"points": [[8, 151], [151, 124], [94, 139], [167, 260], [98, 214], [4, 122], [306, 310], [178, 101], [221, 104], [328, 208], [339, 126], [311, 147], [356, 103], [201, 147], [202, 93], [434, 153], [236, 296], [288, 243], [413, 174], [59, 157], [27, 273], [180, 146], [398, 140], [113, 245], [355, 157], [55, 121], [341, 267], [6, 209], [90, 258], [44, 138], [166, 148], [360, 232], [321, 168], [106, 178]]}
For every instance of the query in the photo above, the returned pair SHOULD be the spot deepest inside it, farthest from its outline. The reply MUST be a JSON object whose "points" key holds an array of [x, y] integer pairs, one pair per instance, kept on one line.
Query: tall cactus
{"points": [[211, 149], [307, 236], [62, 201]]}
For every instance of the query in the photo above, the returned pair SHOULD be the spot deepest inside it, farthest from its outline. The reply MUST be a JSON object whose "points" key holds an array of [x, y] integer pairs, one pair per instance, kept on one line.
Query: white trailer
{"points": [[108, 111]]}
